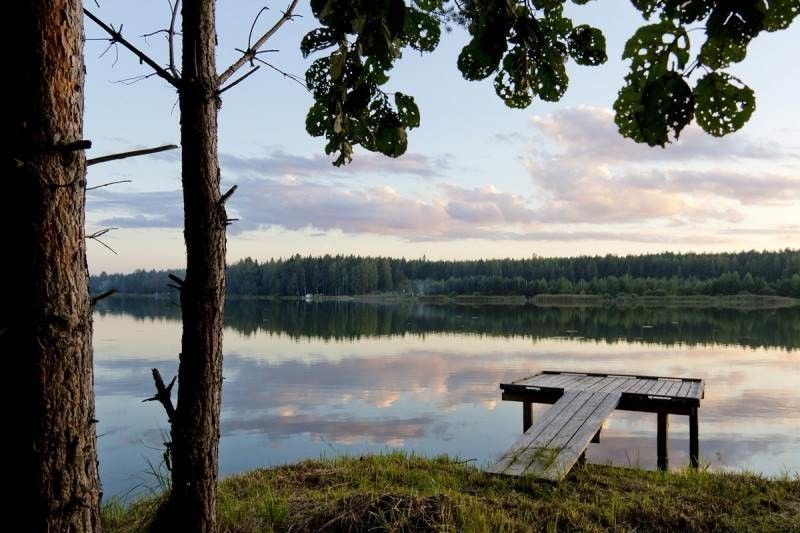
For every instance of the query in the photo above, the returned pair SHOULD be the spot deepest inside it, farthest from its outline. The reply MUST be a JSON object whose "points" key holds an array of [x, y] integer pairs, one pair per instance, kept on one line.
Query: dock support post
{"points": [[663, 430], [527, 416], [694, 441]]}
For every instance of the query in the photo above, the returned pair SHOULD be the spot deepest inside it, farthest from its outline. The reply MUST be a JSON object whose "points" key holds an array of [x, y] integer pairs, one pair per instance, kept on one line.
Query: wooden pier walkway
{"points": [[582, 402]]}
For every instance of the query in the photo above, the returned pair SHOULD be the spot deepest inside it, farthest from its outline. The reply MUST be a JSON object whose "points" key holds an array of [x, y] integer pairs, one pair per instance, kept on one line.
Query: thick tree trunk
{"points": [[195, 430], [46, 321]]}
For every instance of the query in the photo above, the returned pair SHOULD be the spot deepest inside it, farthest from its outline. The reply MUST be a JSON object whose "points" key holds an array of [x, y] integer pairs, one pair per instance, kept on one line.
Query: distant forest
{"points": [[765, 273]]}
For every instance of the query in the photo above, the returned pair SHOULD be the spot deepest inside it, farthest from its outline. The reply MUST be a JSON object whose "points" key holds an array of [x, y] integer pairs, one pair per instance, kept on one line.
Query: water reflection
{"points": [[310, 379]]}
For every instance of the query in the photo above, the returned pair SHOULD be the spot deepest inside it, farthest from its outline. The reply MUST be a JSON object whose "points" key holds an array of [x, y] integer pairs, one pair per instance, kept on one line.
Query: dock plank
{"points": [[541, 424], [550, 445], [580, 439], [544, 380], [523, 458], [673, 388]]}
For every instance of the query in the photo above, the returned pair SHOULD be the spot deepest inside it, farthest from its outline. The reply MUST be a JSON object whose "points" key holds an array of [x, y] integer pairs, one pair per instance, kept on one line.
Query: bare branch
{"points": [[250, 52], [135, 79], [238, 81], [83, 144], [163, 30], [133, 153], [116, 37], [102, 295], [176, 279], [163, 394], [294, 77], [171, 39], [107, 184], [96, 237], [100, 233], [224, 198]]}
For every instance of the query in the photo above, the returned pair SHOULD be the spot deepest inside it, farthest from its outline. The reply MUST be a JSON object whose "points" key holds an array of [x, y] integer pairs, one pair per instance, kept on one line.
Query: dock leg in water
{"points": [[527, 416], [694, 442], [663, 431]]}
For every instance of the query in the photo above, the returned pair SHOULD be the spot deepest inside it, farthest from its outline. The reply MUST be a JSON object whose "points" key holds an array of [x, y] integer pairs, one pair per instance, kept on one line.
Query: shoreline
{"points": [[405, 492], [700, 301]]}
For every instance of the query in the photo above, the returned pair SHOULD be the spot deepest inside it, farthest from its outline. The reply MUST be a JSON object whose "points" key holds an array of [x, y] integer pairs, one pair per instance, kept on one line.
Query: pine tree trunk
{"points": [[195, 430], [46, 318]]}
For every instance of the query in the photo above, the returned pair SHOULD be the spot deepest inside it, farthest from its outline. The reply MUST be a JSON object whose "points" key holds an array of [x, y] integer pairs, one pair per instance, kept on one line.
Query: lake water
{"points": [[310, 379]]}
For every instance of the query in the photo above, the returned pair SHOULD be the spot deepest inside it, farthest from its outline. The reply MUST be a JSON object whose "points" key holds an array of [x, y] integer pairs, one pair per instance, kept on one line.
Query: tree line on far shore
{"points": [[753, 272]]}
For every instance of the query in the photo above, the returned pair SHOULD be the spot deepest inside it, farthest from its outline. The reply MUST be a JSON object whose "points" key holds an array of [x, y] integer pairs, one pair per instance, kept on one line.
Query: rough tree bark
{"points": [[195, 430], [46, 318]]}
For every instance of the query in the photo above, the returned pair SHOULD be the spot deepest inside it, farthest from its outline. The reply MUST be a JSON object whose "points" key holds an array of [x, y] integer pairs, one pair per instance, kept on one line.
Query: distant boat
{"points": [[309, 297]]}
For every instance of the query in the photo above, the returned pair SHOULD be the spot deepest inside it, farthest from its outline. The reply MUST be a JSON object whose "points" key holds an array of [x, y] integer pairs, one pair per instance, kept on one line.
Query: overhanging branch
{"points": [[132, 153], [116, 37], [250, 52]]}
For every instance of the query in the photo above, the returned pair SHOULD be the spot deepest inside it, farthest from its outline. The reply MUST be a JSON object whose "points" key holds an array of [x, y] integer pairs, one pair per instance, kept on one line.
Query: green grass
{"points": [[397, 492]]}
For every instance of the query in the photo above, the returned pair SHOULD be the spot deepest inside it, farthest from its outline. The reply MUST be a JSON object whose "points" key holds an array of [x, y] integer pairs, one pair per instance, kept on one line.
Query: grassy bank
{"points": [[406, 493]]}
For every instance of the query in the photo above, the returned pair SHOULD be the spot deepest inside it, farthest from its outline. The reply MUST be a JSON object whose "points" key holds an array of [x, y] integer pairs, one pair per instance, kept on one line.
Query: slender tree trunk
{"points": [[196, 427], [46, 317]]}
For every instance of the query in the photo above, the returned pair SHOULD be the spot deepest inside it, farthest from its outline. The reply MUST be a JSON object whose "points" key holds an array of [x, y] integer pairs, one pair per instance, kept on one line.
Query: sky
{"points": [[478, 180]]}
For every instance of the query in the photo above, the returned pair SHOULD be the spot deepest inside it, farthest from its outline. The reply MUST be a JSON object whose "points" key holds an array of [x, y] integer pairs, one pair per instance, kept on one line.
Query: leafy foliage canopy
{"points": [[525, 45]]}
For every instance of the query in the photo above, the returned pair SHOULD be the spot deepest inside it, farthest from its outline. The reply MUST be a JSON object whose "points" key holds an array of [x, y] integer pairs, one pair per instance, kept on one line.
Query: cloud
{"points": [[278, 163], [305, 204], [585, 171], [589, 133], [588, 183]]}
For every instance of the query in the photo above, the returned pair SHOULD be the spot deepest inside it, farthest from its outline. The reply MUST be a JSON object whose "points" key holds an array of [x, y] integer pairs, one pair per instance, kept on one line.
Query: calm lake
{"points": [[310, 379]]}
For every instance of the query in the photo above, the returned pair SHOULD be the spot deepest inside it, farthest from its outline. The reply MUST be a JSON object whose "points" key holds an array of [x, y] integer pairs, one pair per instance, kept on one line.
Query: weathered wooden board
{"points": [[553, 444]]}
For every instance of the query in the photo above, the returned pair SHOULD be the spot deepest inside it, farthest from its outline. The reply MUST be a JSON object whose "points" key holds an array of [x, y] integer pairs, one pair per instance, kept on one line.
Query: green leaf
{"points": [[780, 14], [662, 109], [428, 5], [422, 31], [724, 104], [316, 40], [550, 77], [719, 52], [511, 83], [587, 45], [318, 76], [407, 110], [682, 10], [652, 47], [475, 64], [391, 140], [548, 4], [317, 120]]}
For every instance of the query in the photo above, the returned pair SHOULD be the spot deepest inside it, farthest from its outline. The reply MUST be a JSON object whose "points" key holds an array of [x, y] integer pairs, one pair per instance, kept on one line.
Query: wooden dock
{"points": [[582, 402]]}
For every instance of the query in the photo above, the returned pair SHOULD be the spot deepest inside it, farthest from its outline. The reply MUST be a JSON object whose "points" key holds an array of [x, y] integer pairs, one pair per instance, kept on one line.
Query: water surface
{"points": [[310, 379]]}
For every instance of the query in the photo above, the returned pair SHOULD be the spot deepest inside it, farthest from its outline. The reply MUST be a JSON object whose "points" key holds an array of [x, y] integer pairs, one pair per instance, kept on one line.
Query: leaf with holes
{"points": [[511, 82], [428, 5], [724, 104], [391, 140], [685, 12], [651, 48], [587, 45], [662, 109], [422, 31], [719, 52], [316, 40], [407, 110], [780, 14], [549, 75]]}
